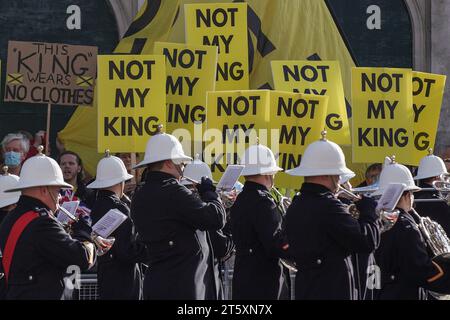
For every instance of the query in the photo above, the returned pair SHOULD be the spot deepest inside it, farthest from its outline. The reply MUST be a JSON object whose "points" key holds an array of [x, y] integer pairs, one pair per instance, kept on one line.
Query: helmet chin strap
{"points": [[178, 168], [53, 198], [335, 184]]}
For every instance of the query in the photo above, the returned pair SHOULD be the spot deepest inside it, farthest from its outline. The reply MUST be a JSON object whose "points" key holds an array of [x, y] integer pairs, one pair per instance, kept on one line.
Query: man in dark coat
{"points": [[322, 234], [118, 272], [37, 251], [172, 222], [256, 229]]}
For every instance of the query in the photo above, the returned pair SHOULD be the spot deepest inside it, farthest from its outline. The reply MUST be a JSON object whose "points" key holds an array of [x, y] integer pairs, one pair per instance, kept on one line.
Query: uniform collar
{"points": [[158, 176], [30, 203], [107, 193], [250, 185], [314, 188]]}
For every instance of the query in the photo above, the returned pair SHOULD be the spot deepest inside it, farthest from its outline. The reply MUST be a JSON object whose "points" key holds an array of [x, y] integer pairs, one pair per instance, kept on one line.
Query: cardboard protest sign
{"points": [[382, 114], [191, 73], [428, 91], [131, 101], [50, 73], [236, 117], [296, 120], [223, 25], [320, 78]]}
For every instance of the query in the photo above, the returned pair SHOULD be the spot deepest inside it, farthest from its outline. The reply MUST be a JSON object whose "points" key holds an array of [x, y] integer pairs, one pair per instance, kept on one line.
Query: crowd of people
{"points": [[180, 232]]}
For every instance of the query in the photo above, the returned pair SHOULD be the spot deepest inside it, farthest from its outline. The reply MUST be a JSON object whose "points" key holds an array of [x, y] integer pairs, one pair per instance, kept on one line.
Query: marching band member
{"points": [[220, 241], [172, 221], [256, 230], [321, 232], [406, 267], [36, 248], [430, 169], [8, 200], [118, 273]]}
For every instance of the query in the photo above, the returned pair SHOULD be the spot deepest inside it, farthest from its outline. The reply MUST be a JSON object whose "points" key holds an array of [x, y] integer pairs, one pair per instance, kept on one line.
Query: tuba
{"points": [[436, 241], [434, 236]]}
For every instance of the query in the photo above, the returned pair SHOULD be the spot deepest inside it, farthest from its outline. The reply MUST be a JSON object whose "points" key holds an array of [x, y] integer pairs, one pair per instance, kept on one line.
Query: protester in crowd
{"points": [[130, 185], [72, 167], [372, 174], [15, 147]]}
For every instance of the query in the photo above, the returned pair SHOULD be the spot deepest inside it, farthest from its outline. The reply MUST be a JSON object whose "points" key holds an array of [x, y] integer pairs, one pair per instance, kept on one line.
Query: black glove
{"points": [[206, 189], [366, 206], [81, 230]]}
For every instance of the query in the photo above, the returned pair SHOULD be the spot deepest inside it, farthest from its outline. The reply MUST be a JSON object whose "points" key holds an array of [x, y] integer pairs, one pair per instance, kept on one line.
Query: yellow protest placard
{"points": [[191, 72], [320, 78], [296, 120], [428, 91], [225, 26], [235, 119], [382, 114], [131, 101]]}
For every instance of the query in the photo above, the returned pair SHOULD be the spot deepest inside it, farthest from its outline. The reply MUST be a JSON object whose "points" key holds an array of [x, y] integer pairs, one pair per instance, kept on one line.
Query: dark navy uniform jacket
{"points": [[322, 236], [43, 252], [118, 272], [405, 263], [173, 223], [260, 243]]}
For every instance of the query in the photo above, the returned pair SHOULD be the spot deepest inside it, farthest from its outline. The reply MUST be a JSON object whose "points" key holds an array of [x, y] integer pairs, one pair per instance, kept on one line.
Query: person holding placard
{"points": [[321, 232], [119, 276], [256, 229], [172, 221], [36, 249]]}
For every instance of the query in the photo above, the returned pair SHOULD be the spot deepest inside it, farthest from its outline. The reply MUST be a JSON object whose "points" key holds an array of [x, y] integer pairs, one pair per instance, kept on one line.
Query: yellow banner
{"points": [[296, 120], [225, 26], [382, 114], [320, 78], [234, 122], [131, 101], [191, 72], [428, 91]]}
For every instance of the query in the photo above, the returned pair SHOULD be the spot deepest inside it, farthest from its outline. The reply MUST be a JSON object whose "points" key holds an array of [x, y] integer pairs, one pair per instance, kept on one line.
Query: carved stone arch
{"points": [[419, 13]]}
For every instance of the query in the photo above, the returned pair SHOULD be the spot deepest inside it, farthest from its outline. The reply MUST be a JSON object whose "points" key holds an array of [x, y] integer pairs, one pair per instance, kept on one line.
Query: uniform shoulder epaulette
{"points": [[41, 211], [170, 182]]}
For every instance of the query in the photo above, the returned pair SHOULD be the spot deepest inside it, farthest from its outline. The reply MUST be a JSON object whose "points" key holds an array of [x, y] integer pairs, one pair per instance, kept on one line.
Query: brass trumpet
{"points": [[388, 218]]}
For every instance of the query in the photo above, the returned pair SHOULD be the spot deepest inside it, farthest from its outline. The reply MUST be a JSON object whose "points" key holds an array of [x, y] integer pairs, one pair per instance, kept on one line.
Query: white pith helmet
{"points": [[259, 159], [110, 171], [163, 146], [394, 172], [430, 166], [196, 170], [8, 181], [321, 158]]}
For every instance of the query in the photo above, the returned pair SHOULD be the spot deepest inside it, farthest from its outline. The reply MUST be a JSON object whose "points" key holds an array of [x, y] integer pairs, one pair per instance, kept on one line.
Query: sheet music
{"points": [[391, 196], [66, 217], [230, 176], [108, 223]]}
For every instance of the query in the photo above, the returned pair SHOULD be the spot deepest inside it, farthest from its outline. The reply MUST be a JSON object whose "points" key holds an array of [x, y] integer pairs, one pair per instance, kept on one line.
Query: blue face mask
{"points": [[12, 158]]}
